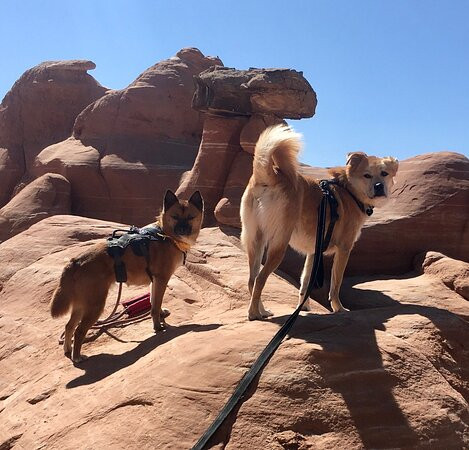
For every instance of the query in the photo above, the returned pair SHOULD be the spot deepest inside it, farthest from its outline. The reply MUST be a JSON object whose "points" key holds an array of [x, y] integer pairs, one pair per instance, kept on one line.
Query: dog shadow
{"points": [[364, 383], [98, 367]]}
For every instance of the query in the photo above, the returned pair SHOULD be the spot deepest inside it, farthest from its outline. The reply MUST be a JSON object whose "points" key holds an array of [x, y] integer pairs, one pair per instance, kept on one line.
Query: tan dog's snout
{"points": [[379, 190]]}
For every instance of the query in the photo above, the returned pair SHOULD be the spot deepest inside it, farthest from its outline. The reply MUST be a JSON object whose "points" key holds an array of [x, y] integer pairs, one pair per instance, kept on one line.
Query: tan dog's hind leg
{"points": [[338, 268], [305, 278], [255, 249], [158, 288], [274, 258]]}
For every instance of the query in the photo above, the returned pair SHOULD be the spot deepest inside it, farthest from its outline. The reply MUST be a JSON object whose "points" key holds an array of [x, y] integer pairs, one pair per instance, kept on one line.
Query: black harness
{"points": [[139, 241], [323, 240]]}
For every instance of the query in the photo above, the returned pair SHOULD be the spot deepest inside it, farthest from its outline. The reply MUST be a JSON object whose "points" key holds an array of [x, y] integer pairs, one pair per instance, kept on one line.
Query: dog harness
{"points": [[323, 241], [139, 240]]}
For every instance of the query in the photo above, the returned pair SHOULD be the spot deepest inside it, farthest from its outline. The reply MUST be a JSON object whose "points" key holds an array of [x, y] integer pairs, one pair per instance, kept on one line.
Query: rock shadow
{"points": [[98, 367], [351, 363]]}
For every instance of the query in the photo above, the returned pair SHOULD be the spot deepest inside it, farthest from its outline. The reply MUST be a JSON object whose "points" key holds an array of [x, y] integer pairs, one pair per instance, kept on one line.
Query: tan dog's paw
{"points": [[306, 306], [338, 307], [258, 315], [266, 313], [255, 315]]}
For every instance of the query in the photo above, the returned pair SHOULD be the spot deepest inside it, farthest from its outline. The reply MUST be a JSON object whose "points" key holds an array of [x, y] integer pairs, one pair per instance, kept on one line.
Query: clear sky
{"points": [[392, 77]]}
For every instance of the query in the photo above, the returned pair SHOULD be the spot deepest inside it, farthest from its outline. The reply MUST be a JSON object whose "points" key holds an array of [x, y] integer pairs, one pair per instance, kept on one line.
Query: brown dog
{"points": [[279, 207], [86, 280]]}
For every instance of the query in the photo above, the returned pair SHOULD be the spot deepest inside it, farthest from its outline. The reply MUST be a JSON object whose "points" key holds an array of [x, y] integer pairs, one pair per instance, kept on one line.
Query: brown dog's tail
{"points": [[276, 152], [63, 295]]}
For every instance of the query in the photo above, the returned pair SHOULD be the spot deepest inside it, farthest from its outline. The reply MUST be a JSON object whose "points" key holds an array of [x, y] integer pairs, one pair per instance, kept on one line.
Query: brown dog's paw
{"points": [[165, 312], [159, 326], [79, 359]]}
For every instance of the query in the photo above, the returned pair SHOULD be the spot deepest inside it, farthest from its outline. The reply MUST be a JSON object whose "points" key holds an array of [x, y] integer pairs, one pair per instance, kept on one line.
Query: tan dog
{"points": [[86, 280], [280, 207]]}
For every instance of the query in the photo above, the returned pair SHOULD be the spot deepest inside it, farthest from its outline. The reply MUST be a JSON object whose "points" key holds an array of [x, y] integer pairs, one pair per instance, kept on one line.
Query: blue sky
{"points": [[392, 77]]}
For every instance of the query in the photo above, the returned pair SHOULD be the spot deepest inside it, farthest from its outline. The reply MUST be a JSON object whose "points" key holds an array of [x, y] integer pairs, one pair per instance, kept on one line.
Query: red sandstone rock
{"points": [[153, 108], [39, 110], [133, 144], [391, 373], [80, 164], [46, 196], [284, 93], [453, 273], [227, 209], [218, 149], [253, 129]]}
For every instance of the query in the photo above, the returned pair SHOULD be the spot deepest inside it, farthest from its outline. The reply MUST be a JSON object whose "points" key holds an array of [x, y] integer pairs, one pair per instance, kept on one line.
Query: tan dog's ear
{"points": [[392, 164], [197, 200], [169, 199], [355, 158]]}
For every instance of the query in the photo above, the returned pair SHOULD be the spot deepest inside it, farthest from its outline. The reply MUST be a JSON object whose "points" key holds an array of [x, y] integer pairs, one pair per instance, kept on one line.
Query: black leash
{"points": [[317, 276]]}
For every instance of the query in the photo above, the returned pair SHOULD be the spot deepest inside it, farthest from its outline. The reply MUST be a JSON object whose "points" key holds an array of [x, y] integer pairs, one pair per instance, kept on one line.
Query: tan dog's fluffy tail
{"points": [[276, 152], [63, 295]]}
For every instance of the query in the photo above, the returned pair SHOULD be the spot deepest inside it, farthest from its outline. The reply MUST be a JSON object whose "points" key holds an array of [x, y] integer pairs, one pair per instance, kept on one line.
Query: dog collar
{"points": [[181, 245], [365, 209]]}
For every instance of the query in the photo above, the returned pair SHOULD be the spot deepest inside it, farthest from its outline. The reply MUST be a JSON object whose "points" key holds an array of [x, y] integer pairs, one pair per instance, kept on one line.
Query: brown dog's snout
{"points": [[183, 229], [379, 189]]}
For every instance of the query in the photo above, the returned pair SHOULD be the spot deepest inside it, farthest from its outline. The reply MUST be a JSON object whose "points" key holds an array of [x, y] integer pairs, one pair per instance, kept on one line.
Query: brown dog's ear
{"points": [[338, 173], [169, 199], [355, 158], [392, 164], [197, 200]]}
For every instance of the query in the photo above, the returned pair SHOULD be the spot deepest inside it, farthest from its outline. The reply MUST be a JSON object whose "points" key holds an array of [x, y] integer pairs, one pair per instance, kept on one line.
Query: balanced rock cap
{"points": [[226, 91]]}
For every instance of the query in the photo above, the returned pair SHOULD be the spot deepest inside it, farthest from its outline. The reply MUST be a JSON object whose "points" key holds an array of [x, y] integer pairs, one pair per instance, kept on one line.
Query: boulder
{"points": [[39, 110], [453, 273], [284, 93], [80, 164], [44, 197], [404, 341]]}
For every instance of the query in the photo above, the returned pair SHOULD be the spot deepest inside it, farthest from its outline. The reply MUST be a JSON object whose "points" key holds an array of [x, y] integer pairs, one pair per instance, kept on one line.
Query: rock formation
{"points": [[133, 144], [39, 110], [391, 373], [44, 197], [239, 104]]}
